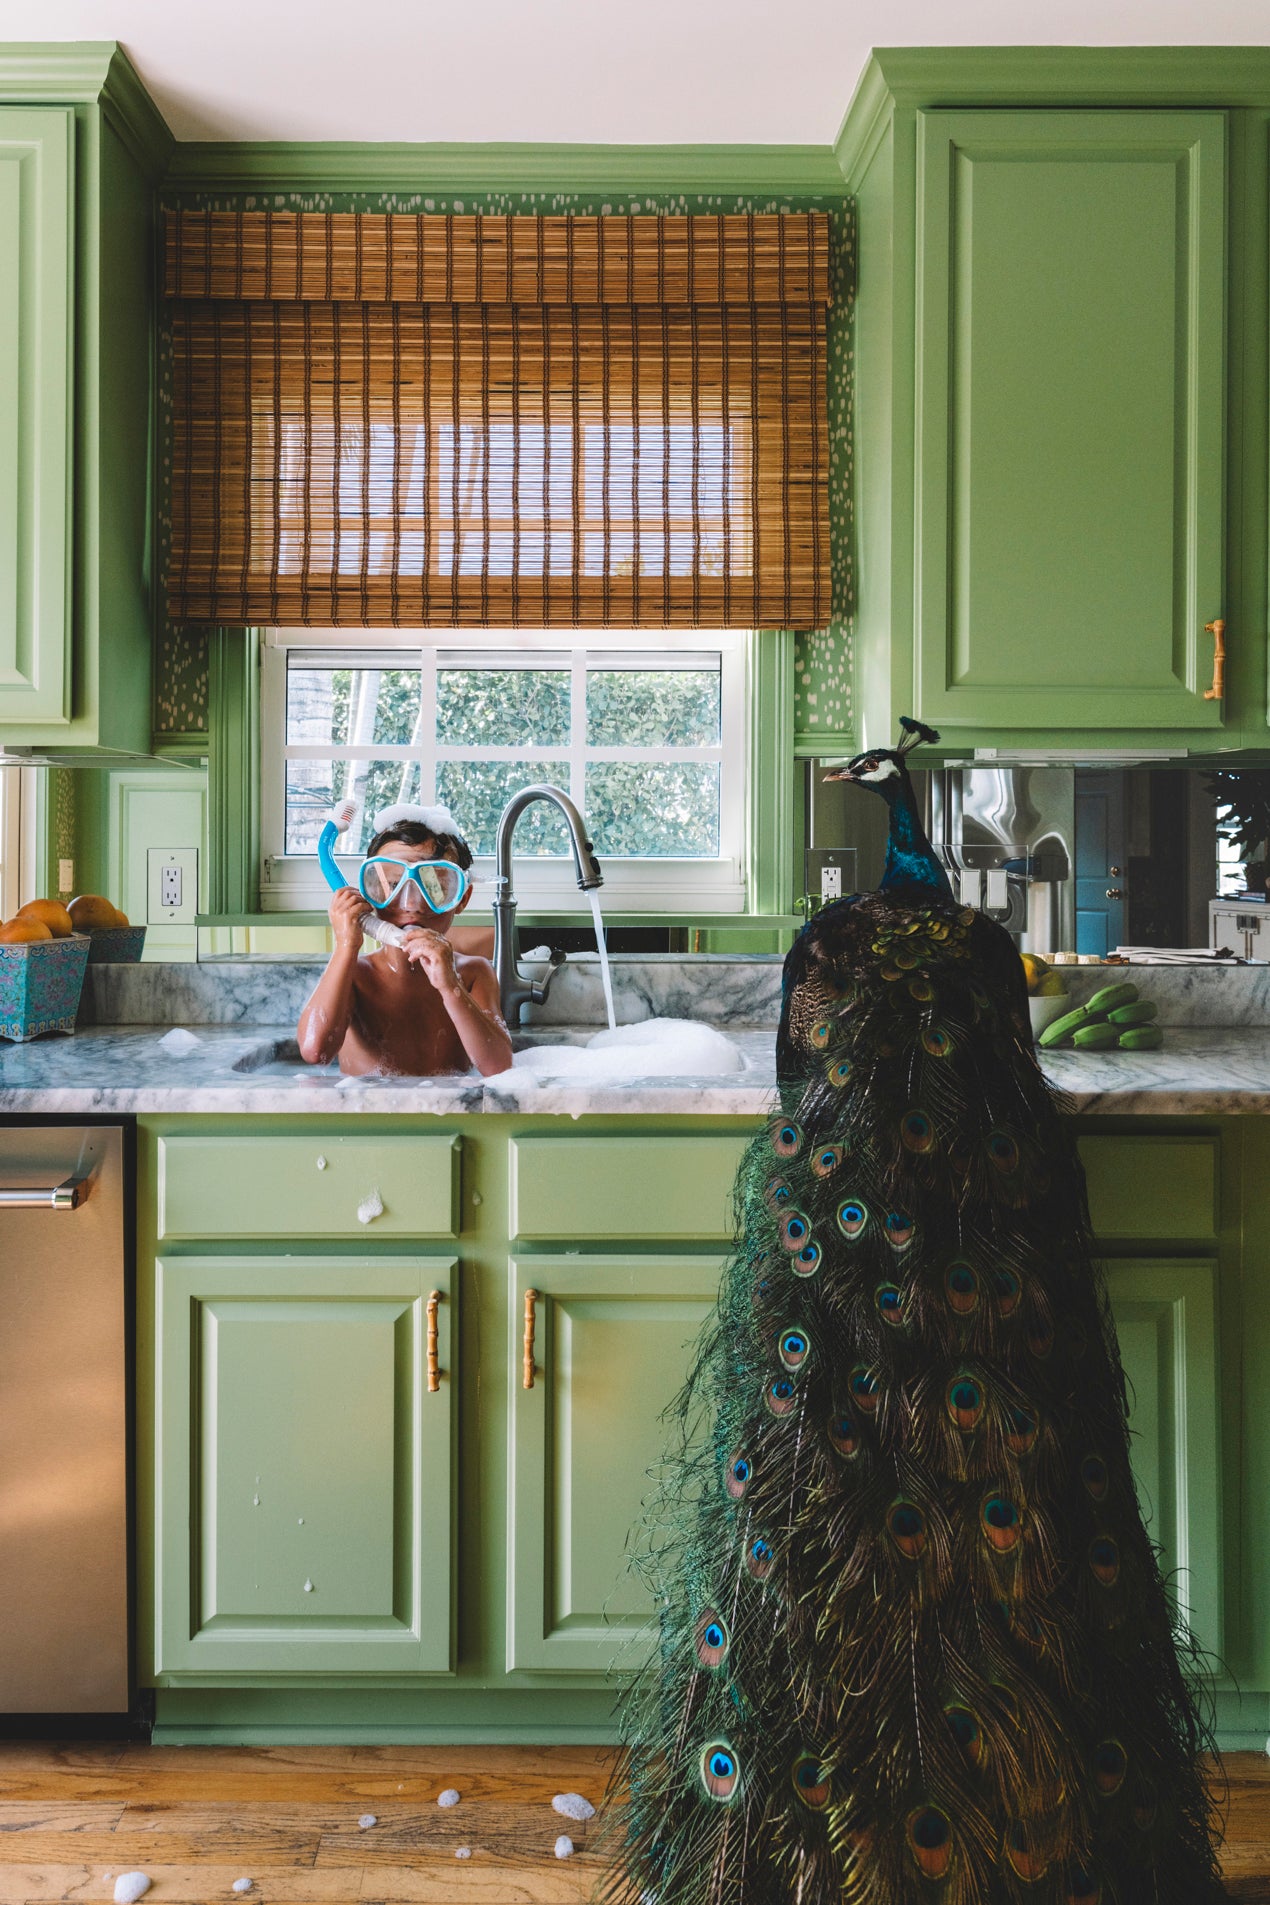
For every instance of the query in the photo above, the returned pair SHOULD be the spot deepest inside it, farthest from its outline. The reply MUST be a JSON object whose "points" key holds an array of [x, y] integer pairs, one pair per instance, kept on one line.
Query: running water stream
{"points": [[602, 948]]}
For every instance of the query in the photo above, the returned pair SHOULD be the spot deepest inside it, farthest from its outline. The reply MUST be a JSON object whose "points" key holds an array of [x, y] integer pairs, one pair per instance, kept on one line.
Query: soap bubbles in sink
{"points": [[653, 1048]]}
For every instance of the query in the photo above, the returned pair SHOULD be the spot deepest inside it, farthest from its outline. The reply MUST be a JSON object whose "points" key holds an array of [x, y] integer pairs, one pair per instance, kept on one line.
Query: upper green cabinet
{"points": [[1060, 406], [1070, 336], [37, 156], [80, 148]]}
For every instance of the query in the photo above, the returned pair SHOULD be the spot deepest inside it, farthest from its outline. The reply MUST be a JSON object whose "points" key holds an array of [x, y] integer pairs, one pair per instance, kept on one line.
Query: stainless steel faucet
{"points": [[514, 990]]}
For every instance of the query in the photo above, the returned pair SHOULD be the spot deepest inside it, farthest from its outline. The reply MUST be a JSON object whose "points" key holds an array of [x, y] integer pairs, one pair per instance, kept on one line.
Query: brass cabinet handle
{"points": [[1217, 630], [434, 1370], [531, 1297]]}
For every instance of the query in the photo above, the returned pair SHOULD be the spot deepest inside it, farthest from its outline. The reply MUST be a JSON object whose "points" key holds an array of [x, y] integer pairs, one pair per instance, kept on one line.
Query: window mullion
{"points": [[428, 725], [577, 728]]}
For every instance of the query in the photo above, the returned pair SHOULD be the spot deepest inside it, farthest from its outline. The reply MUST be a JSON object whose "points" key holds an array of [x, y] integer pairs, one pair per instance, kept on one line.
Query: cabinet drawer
{"points": [[1151, 1187], [307, 1186], [624, 1187]]}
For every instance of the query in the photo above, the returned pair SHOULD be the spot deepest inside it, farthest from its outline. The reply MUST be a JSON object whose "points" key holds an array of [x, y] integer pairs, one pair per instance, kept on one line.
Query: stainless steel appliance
{"points": [[1007, 836], [63, 1421]]}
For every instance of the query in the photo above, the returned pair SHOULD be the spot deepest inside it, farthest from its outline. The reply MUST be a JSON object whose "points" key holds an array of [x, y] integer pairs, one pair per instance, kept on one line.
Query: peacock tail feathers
{"points": [[913, 1643]]}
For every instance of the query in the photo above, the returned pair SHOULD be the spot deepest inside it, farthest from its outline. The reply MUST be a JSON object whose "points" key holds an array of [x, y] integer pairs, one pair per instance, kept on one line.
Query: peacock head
{"points": [[884, 768]]}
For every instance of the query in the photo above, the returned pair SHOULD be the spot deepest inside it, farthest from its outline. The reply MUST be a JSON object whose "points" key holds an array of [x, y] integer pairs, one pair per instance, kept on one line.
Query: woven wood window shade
{"points": [[382, 419]]}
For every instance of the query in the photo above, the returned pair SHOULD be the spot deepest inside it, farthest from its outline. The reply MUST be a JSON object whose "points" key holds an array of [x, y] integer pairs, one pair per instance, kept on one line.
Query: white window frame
{"points": [[293, 882]]}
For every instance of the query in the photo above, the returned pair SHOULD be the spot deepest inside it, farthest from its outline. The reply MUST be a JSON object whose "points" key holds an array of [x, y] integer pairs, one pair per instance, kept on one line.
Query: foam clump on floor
{"points": [[573, 1806], [564, 1846], [242, 1885], [462, 1851], [654, 1048], [449, 1797], [367, 1820], [129, 1886]]}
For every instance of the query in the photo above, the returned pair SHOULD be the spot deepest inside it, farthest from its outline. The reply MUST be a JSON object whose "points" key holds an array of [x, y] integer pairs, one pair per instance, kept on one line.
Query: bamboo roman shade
{"points": [[384, 419]]}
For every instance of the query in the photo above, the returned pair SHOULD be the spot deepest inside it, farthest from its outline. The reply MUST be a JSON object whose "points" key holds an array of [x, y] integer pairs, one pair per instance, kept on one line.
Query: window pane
{"points": [[314, 787], [476, 793], [352, 706], [502, 707], [652, 707], [653, 810]]}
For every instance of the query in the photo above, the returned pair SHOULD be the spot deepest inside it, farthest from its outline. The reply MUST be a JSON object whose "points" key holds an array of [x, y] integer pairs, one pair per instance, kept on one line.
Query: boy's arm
{"points": [[328, 1012], [471, 1000]]}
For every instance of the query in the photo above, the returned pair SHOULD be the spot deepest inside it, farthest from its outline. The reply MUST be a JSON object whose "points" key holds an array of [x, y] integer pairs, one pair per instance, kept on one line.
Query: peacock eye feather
{"points": [[779, 1396], [1104, 1560], [906, 1525], [712, 1640], [827, 1159], [889, 1303], [891, 973], [863, 1385], [1023, 1431], [917, 1133], [1003, 1152], [821, 1033], [1082, 1887], [936, 1041], [1040, 1339], [777, 1192], [839, 1072], [795, 1348], [1002, 1523], [787, 1137], [795, 1231], [1024, 1859], [736, 1476], [807, 1261], [930, 1841], [760, 1558], [720, 1771], [852, 1217], [961, 1287], [967, 1732], [1096, 1477], [843, 1436], [1009, 1290], [965, 1400], [811, 1781], [921, 989], [1111, 1763], [899, 1229]]}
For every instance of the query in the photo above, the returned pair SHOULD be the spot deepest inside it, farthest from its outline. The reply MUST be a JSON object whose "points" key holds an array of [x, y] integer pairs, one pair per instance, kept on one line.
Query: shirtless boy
{"points": [[423, 1008]]}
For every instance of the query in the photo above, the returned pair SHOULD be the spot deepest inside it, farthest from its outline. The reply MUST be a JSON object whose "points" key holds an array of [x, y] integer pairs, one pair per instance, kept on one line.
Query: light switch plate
{"points": [[66, 876], [172, 886]]}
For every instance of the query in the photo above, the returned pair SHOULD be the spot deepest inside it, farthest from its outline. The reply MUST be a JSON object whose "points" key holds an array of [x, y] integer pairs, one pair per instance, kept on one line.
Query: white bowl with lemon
{"points": [[1047, 994]]}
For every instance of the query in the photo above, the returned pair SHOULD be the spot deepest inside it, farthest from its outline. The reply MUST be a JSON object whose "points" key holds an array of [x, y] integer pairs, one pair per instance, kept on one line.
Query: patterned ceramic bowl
{"points": [[116, 945], [40, 984]]}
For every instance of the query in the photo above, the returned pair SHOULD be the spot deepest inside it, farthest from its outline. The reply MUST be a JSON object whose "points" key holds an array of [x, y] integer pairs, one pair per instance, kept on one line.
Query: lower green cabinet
{"points": [[303, 1464], [603, 1343], [1165, 1313]]}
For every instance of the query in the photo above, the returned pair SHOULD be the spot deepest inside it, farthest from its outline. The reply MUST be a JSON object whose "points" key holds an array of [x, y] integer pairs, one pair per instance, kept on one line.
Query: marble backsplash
{"points": [[719, 989]]}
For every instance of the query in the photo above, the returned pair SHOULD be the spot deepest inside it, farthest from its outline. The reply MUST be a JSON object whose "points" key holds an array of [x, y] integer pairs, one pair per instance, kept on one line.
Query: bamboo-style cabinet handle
{"points": [[1217, 630], [434, 1369], [531, 1298]]}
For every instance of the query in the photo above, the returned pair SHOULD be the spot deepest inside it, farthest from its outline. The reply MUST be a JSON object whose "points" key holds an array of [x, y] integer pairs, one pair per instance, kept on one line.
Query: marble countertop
{"points": [[247, 1068]]}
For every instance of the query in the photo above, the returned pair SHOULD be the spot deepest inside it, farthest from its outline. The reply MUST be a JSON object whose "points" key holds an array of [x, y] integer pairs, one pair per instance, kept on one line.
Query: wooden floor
{"points": [[72, 1818]]}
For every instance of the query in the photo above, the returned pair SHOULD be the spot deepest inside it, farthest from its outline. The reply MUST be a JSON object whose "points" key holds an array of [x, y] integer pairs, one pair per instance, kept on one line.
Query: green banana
{"points": [[1141, 1038], [1125, 1015], [1109, 998], [1096, 1037], [1059, 1029]]}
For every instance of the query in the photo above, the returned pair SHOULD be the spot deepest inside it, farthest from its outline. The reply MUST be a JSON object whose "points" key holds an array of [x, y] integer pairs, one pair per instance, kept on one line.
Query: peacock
{"points": [[912, 1640]]}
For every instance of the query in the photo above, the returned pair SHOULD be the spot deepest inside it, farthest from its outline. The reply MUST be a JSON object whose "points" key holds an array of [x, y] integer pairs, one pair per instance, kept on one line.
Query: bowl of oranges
{"points": [[42, 964], [1047, 994]]}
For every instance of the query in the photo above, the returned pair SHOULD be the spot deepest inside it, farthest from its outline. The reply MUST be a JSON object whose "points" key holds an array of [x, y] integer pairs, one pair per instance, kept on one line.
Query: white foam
{"points": [[462, 1851], [573, 1806], [449, 1797], [242, 1885], [654, 1048], [177, 1043], [564, 1846], [367, 1820], [131, 1885], [371, 1207]]}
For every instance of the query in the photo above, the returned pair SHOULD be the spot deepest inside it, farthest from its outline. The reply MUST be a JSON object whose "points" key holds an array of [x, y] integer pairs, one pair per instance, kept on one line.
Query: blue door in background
{"points": [[1100, 861]]}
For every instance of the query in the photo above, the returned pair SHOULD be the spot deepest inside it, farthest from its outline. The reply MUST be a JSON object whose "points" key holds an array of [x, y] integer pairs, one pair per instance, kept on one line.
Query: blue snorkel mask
{"points": [[441, 883]]}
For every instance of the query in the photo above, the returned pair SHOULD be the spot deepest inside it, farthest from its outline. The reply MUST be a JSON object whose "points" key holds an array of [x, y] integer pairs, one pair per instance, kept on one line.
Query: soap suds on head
{"points": [[177, 1043], [564, 1846], [129, 1886], [449, 1797], [367, 1820], [371, 1207], [573, 1806]]}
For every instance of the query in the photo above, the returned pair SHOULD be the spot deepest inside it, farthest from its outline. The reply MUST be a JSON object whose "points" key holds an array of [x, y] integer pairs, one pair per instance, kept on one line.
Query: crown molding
{"points": [[90, 73], [446, 169]]}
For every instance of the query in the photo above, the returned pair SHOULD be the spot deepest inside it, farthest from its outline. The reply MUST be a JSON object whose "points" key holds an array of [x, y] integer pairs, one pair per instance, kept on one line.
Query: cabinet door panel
{"points": [[1071, 321], [613, 1338], [303, 1468], [1166, 1322], [36, 331]]}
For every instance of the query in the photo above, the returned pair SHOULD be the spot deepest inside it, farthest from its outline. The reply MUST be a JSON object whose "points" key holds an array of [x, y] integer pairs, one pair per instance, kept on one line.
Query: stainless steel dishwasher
{"points": [[63, 1420]]}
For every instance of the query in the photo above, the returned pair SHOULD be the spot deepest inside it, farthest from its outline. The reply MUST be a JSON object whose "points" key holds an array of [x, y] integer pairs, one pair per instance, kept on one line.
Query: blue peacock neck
{"points": [[911, 870]]}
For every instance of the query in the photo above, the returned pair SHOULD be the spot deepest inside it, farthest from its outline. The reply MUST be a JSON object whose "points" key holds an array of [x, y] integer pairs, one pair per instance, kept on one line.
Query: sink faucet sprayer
{"points": [[514, 990]]}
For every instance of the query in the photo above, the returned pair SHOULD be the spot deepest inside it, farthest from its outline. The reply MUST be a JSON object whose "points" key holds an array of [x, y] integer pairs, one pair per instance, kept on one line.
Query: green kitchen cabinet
{"points": [[1060, 404], [305, 1500], [81, 146], [600, 1344]]}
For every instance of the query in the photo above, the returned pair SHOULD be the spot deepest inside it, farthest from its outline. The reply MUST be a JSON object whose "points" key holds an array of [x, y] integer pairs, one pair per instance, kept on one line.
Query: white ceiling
{"points": [[595, 71]]}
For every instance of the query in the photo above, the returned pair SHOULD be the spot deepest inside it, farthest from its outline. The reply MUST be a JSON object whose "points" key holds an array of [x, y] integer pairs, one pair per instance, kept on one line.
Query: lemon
{"points": [[1034, 970], [1052, 986]]}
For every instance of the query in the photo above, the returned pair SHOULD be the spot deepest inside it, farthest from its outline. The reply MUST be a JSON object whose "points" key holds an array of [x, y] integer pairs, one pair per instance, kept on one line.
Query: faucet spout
{"points": [[515, 991]]}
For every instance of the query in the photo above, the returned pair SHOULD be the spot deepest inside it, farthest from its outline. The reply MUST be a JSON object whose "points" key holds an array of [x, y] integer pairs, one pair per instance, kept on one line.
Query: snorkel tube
{"points": [[336, 823]]}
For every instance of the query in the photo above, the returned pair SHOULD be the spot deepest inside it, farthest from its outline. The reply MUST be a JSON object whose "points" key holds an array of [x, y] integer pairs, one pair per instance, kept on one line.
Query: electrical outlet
{"points": [[831, 883], [66, 876], [172, 886]]}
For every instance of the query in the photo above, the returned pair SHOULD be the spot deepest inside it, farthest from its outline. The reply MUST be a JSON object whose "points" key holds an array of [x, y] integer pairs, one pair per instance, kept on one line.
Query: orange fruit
{"points": [[91, 911], [51, 913], [23, 932]]}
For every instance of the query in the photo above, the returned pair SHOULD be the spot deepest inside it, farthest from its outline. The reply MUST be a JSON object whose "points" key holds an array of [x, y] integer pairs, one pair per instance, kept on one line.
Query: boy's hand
{"points": [[434, 953], [347, 911]]}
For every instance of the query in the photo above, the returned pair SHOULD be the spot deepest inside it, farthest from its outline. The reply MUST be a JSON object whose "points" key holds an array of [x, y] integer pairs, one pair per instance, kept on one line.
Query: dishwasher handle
{"points": [[68, 1195]]}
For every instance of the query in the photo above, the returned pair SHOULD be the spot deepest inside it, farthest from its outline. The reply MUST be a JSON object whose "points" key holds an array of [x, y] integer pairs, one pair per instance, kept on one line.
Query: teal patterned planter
{"points": [[116, 945], [40, 986]]}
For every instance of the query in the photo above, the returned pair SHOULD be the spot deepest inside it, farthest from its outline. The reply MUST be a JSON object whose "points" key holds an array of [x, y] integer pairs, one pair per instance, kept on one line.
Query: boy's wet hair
{"points": [[413, 833]]}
